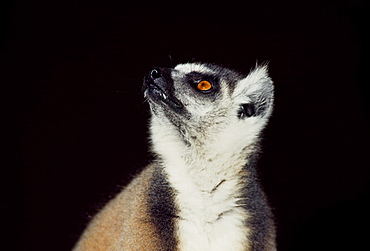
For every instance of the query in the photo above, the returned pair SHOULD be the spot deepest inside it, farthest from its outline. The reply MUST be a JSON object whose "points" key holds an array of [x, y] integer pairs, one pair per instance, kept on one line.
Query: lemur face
{"points": [[206, 94]]}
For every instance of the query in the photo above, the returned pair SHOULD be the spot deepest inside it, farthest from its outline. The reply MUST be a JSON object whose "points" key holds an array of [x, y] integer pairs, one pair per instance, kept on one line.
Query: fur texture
{"points": [[202, 193]]}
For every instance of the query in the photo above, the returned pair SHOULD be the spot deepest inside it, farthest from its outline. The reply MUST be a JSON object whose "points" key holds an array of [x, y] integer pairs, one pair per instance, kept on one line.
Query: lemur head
{"points": [[203, 100]]}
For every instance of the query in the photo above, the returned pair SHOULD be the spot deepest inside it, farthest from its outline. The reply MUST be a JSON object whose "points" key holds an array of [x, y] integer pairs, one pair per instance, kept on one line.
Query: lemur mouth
{"points": [[157, 89], [154, 91]]}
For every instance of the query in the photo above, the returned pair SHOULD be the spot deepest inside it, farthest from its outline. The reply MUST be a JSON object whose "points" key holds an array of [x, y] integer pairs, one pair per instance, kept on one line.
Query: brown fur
{"points": [[125, 223]]}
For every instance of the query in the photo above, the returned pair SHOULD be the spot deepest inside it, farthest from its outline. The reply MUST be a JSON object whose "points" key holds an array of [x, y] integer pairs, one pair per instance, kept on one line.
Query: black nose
{"points": [[154, 74]]}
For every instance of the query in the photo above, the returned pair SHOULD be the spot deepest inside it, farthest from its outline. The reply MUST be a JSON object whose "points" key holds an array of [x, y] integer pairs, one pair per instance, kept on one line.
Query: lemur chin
{"points": [[201, 193]]}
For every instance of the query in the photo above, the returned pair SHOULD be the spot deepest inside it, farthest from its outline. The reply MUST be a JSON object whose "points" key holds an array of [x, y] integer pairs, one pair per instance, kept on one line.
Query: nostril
{"points": [[155, 73]]}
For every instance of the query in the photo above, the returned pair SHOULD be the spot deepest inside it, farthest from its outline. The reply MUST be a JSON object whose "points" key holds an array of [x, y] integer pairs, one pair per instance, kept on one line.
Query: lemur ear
{"points": [[254, 93], [246, 110]]}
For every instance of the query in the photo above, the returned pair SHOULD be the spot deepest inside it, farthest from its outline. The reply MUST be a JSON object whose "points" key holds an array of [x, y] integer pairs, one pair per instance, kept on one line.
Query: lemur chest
{"points": [[211, 220], [207, 197]]}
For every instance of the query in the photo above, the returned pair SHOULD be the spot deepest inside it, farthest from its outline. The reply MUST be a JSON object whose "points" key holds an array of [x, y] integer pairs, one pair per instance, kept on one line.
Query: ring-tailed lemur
{"points": [[201, 193]]}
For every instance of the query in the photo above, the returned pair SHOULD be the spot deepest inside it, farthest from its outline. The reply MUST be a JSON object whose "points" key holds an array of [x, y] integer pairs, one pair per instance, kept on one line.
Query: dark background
{"points": [[76, 125]]}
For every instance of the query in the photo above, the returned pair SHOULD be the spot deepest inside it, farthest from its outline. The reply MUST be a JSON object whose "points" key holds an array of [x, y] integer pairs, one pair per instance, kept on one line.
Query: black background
{"points": [[76, 125]]}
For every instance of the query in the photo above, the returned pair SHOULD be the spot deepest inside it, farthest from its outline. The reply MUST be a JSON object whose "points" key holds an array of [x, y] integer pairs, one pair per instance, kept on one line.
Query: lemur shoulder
{"points": [[201, 193]]}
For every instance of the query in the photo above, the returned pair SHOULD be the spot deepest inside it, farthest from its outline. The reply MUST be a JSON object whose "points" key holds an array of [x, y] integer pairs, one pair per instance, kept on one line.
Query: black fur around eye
{"points": [[246, 110], [203, 83]]}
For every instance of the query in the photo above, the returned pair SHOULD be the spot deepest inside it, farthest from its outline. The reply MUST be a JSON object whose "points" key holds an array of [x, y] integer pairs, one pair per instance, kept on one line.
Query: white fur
{"points": [[206, 176], [186, 68]]}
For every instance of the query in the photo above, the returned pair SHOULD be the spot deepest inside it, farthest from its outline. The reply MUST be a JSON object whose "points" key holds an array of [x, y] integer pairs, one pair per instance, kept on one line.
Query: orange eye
{"points": [[204, 85]]}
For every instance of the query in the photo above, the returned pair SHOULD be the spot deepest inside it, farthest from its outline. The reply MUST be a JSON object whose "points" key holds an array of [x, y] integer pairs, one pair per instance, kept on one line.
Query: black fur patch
{"points": [[193, 78], [162, 209], [255, 202]]}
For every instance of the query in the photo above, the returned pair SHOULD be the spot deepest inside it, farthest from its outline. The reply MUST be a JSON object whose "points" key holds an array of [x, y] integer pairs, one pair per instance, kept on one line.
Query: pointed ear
{"points": [[255, 90]]}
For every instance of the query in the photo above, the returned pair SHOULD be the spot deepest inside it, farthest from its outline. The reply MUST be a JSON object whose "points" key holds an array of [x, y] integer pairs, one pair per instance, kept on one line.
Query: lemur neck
{"points": [[208, 178], [206, 160]]}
